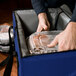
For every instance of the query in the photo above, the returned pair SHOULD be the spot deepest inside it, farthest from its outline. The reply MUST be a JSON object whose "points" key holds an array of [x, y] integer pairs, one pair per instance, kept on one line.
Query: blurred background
{"points": [[6, 9], [8, 6]]}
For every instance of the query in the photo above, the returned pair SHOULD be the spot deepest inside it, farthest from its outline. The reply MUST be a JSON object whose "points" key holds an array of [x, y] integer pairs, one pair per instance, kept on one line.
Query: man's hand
{"points": [[66, 40], [44, 24]]}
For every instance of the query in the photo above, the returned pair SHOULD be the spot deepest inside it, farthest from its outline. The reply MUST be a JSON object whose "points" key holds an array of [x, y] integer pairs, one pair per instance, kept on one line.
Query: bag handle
{"points": [[9, 59]]}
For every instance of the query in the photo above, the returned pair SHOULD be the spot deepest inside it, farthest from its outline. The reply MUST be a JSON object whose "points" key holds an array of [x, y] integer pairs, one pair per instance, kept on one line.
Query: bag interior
{"points": [[26, 24]]}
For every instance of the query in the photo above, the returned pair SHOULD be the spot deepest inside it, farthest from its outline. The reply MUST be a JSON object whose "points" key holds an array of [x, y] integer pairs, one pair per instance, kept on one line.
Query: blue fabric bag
{"points": [[51, 64], [55, 64]]}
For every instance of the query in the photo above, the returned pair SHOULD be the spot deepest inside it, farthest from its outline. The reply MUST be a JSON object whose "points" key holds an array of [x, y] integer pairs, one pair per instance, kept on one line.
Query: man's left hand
{"points": [[66, 40]]}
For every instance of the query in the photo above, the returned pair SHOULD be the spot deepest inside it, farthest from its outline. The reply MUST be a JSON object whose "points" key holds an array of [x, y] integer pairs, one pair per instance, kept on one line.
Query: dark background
{"points": [[14, 4], [8, 6]]}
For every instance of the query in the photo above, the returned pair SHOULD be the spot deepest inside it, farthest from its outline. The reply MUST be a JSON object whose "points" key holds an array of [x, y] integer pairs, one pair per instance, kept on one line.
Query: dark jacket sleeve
{"points": [[39, 6], [73, 19]]}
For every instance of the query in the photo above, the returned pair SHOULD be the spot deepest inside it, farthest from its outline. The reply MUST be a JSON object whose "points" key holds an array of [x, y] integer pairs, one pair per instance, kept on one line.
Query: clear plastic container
{"points": [[37, 42]]}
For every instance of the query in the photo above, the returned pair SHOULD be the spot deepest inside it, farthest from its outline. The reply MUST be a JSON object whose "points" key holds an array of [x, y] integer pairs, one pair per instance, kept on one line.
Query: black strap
{"points": [[3, 63], [9, 59], [9, 66]]}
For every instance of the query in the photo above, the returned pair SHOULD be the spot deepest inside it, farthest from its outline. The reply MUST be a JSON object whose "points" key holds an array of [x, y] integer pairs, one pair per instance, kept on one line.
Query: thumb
{"points": [[53, 43]]}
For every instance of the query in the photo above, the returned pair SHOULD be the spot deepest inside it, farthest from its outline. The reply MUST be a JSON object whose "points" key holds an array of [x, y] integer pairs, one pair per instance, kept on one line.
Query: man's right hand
{"points": [[44, 24]]}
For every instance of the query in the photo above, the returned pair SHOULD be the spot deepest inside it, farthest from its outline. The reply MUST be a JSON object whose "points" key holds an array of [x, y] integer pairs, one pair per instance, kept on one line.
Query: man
{"points": [[66, 40]]}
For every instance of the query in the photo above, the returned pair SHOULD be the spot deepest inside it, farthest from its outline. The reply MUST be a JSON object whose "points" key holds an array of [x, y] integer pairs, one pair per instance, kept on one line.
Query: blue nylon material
{"points": [[57, 64]]}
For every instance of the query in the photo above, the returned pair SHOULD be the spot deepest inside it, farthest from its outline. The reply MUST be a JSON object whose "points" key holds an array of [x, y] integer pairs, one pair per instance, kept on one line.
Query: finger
{"points": [[39, 29], [45, 27], [62, 47], [53, 43]]}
